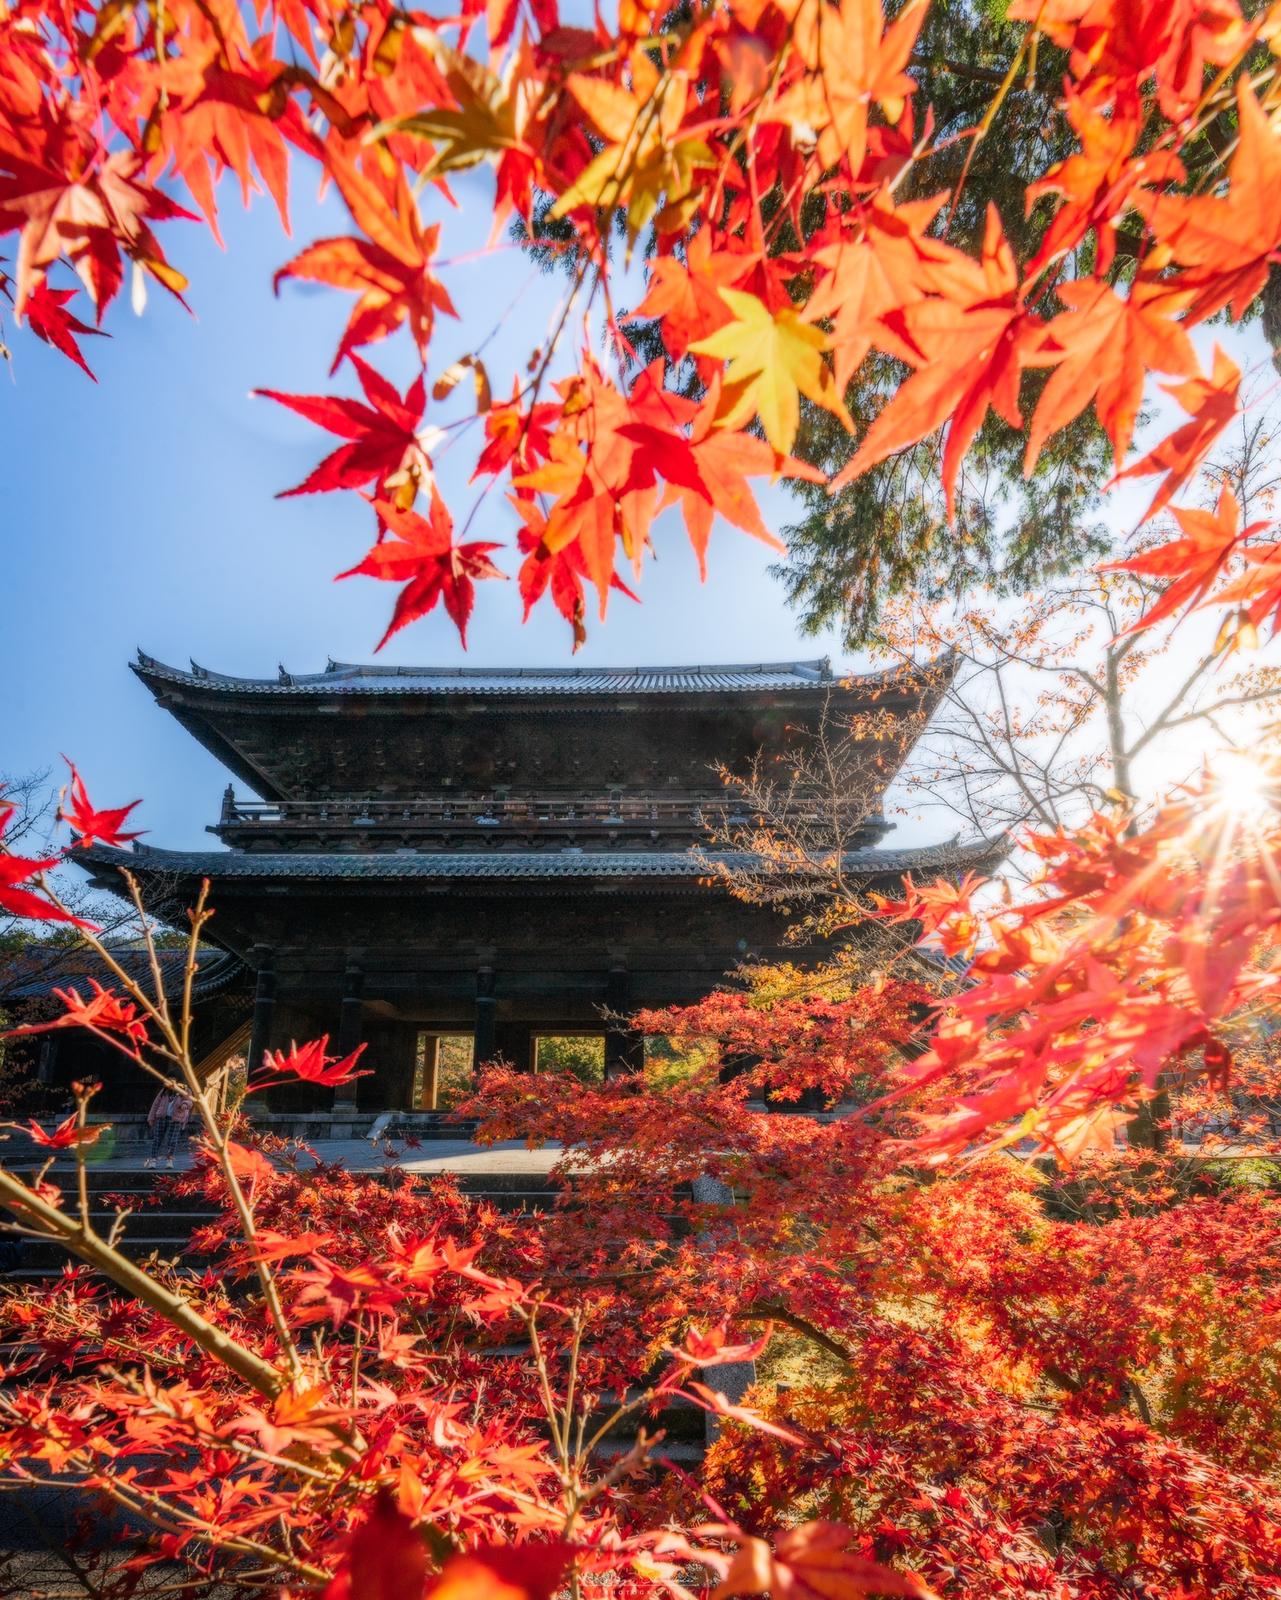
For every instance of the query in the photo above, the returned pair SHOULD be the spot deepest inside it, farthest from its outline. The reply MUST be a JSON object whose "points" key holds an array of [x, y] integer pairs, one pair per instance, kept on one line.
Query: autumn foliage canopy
{"points": [[770, 164]]}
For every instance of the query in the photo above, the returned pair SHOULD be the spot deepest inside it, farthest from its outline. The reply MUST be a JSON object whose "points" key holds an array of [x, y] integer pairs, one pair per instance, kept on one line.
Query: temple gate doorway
{"points": [[578, 1054], [443, 1064]]}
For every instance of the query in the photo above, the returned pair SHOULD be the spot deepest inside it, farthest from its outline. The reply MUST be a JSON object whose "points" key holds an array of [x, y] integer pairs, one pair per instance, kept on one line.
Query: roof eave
{"points": [[586, 869]]}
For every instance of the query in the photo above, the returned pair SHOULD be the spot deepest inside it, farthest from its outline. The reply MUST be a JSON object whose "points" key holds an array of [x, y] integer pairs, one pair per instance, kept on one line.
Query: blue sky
{"points": [[139, 512]]}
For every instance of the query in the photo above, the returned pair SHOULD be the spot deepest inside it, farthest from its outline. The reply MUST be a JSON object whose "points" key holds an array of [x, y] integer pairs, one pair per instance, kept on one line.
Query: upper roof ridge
{"points": [[349, 676], [818, 667], [344, 677]]}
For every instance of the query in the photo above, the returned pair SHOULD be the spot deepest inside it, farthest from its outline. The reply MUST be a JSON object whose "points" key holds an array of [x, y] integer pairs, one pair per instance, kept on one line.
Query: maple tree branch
{"points": [[1164, 718], [84, 1243], [195, 1091], [775, 1311]]}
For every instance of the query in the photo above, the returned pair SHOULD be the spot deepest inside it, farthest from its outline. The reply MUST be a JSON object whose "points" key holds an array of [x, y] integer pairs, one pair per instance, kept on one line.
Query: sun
{"points": [[1245, 786]]}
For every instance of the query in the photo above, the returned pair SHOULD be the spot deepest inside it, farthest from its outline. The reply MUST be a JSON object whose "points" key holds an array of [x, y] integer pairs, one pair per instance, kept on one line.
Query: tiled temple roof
{"points": [[343, 678], [40, 969], [577, 865]]}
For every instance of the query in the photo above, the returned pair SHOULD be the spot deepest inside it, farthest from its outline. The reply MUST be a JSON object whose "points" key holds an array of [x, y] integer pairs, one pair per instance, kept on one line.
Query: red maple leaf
{"points": [[562, 572], [310, 1063], [513, 434], [384, 450], [1191, 564], [15, 871], [66, 1136], [1211, 404], [386, 1557], [389, 268], [90, 824], [48, 319], [941, 909], [421, 554], [103, 1010], [66, 207]]}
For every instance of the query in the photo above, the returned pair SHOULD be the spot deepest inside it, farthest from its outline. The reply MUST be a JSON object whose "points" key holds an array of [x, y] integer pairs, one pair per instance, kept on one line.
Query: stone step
{"points": [[512, 1200], [438, 1135], [41, 1253], [512, 1182], [134, 1185], [683, 1452]]}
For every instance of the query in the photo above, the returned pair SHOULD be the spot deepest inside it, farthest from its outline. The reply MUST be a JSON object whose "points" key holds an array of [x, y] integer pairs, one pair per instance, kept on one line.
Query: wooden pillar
{"points": [[46, 1062], [486, 1028], [351, 1011], [431, 1072], [624, 1047], [735, 1065], [514, 1043], [264, 962], [350, 1028]]}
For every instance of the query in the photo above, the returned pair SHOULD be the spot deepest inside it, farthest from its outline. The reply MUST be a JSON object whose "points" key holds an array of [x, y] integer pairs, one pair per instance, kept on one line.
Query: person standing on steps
{"points": [[162, 1119], [179, 1117], [160, 1124]]}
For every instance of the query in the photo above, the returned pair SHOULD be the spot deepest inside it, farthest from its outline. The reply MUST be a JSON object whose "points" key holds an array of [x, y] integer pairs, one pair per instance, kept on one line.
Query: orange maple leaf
{"points": [[1211, 404], [1258, 589], [1191, 563], [1226, 244], [852, 62], [1099, 183], [1109, 345], [878, 270], [686, 296], [971, 345], [389, 270], [811, 1562]]}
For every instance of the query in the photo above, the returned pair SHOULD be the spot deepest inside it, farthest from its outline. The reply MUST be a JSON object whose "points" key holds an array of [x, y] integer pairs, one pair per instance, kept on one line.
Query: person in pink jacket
{"points": [[168, 1119]]}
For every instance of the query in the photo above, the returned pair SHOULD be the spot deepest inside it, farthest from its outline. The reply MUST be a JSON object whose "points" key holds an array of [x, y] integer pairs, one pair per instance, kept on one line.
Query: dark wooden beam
{"points": [[263, 961]]}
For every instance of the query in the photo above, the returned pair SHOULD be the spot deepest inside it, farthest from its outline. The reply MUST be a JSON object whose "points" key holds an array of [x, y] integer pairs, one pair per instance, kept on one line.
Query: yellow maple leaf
{"points": [[493, 114], [774, 358], [643, 163]]}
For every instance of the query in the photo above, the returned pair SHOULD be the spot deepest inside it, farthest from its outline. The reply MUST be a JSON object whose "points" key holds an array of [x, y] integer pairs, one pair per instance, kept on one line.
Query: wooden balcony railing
{"points": [[469, 811], [469, 822]]}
